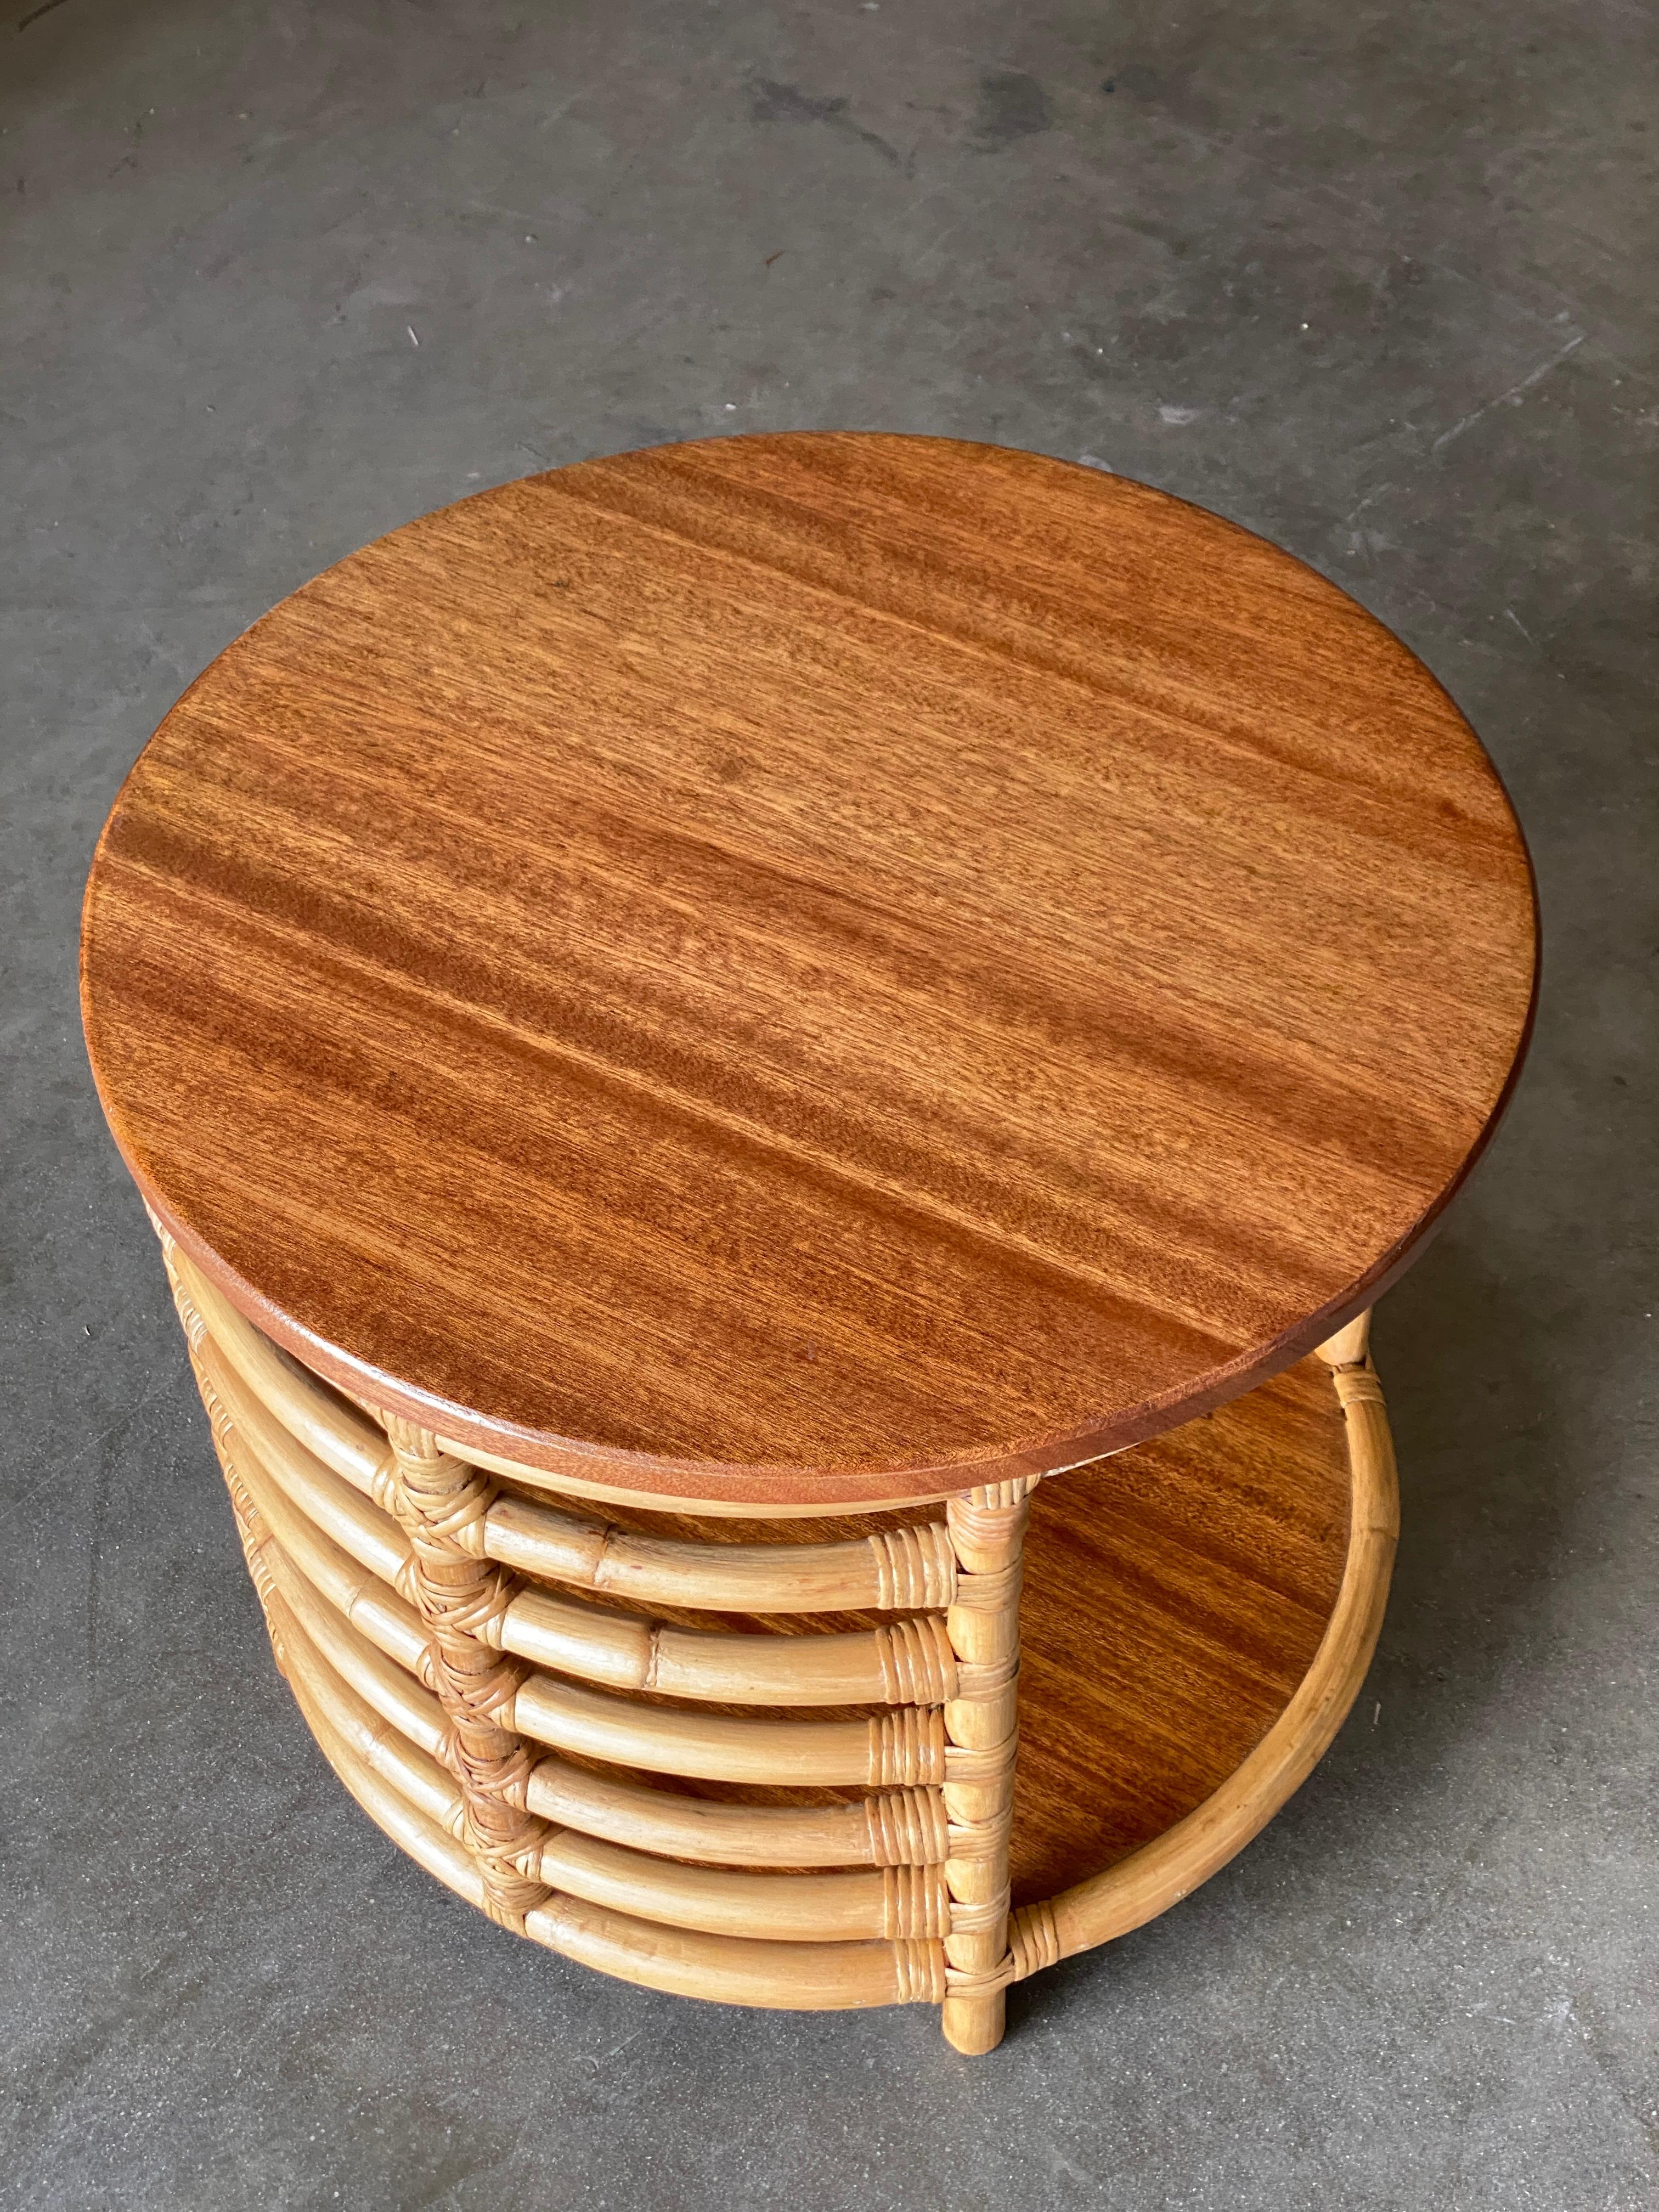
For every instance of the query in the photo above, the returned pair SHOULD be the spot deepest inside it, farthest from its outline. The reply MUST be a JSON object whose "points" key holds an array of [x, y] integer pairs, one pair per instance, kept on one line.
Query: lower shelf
{"points": [[1197, 1633], [1176, 1597]]}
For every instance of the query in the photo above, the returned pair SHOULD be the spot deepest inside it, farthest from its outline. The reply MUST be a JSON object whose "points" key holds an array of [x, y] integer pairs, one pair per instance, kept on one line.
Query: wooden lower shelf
{"points": [[1174, 1598]]}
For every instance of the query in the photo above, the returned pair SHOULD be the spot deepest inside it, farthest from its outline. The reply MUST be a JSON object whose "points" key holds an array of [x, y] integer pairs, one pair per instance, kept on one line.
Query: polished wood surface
{"points": [[808, 968]]}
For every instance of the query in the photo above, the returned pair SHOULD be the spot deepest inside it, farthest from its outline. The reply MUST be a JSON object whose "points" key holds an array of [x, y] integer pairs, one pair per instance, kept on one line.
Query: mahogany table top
{"points": [[808, 969]]}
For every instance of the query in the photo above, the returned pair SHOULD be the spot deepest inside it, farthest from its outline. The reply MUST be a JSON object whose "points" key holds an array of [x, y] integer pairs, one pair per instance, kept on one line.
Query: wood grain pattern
{"points": [[816, 969], [1135, 1889]]}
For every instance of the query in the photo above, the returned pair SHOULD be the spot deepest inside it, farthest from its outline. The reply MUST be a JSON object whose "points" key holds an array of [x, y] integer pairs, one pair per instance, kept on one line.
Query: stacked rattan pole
{"points": [[480, 1716], [381, 1561]]}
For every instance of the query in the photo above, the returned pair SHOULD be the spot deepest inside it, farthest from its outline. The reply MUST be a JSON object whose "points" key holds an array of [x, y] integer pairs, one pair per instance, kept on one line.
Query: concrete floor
{"points": [[1376, 281]]}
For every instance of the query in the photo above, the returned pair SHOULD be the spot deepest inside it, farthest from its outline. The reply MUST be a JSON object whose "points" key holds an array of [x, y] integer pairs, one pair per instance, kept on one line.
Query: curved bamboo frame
{"points": [[885, 1902], [389, 1571], [778, 1976], [894, 1828]]}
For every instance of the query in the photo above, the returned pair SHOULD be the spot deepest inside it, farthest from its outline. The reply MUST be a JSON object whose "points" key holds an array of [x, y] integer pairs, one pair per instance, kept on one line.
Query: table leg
{"points": [[988, 1530]]}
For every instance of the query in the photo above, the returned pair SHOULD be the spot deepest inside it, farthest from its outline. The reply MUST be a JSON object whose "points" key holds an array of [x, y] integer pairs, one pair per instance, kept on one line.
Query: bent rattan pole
{"points": [[903, 1832], [890, 1829], [898, 1827], [733, 1970], [390, 1624], [361, 1622], [1151, 1880], [342, 1438], [906, 1569], [899, 1750], [418, 1835], [428, 1784], [896, 1750], [909, 1661], [382, 1685], [891, 1902], [366, 1530], [684, 1962], [988, 1530], [410, 1828]]}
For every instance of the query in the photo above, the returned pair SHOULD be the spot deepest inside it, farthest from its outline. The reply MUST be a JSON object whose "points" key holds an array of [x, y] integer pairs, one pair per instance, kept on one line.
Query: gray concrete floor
{"points": [[1375, 280]]}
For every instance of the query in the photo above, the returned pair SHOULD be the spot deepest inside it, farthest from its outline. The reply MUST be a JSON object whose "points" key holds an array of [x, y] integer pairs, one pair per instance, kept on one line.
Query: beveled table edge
{"points": [[576, 1468]]}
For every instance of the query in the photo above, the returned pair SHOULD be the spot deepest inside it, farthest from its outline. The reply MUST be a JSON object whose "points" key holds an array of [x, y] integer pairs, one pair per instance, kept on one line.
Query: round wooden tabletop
{"points": [[813, 968]]}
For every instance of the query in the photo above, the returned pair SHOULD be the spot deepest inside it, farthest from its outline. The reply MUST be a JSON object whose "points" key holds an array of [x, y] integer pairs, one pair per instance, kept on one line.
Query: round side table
{"points": [[679, 1017]]}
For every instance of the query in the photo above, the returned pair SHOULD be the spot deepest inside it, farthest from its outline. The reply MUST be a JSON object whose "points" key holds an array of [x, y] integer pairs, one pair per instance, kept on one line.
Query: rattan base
{"points": [[845, 1764]]}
